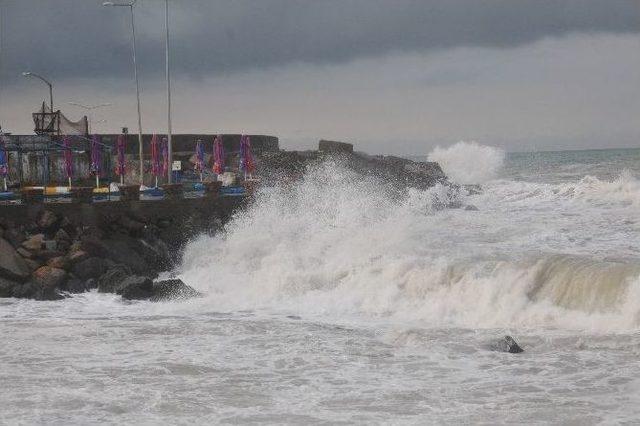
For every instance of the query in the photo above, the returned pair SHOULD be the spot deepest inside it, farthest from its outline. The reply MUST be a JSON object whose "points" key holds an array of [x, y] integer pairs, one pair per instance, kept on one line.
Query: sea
{"points": [[338, 299]]}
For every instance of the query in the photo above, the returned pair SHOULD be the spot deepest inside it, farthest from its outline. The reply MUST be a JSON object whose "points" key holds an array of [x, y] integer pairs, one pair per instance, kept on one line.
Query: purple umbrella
{"points": [[68, 158], [96, 158], [165, 157], [4, 162], [120, 161], [199, 165], [218, 155], [247, 163]]}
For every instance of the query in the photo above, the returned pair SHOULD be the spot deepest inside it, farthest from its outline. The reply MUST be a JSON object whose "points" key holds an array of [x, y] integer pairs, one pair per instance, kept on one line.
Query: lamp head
{"points": [[26, 74]]}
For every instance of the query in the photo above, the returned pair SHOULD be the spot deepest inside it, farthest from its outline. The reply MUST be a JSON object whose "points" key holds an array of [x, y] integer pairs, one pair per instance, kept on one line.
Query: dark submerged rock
{"points": [[506, 344], [172, 290]]}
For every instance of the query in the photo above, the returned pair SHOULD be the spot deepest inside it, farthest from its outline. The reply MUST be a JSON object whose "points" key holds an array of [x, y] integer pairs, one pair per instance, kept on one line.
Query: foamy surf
{"points": [[338, 245]]}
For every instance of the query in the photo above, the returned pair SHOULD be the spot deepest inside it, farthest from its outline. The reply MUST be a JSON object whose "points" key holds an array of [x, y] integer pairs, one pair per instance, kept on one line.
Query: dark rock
{"points": [[110, 280], [33, 264], [25, 291], [59, 262], [77, 256], [15, 236], [127, 251], [7, 286], [172, 290], [47, 220], [92, 245], [134, 227], [46, 255], [471, 207], [92, 267], [76, 285], [12, 266], [506, 344], [34, 243], [48, 277], [62, 235], [135, 288], [24, 253]]}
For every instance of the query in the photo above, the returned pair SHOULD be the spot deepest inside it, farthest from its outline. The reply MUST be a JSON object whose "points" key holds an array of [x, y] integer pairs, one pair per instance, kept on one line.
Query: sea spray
{"points": [[338, 244], [469, 162]]}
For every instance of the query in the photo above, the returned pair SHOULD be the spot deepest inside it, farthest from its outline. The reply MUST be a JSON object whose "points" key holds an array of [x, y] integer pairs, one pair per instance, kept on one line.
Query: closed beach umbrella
{"points": [[199, 165], [247, 163], [165, 156], [156, 166], [96, 158], [4, 162], [218, 155], [68, 158], [120, 161]]}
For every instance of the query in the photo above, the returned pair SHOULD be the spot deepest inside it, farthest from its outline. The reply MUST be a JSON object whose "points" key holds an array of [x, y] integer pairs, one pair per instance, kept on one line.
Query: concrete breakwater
{"points": [[49, 249]]}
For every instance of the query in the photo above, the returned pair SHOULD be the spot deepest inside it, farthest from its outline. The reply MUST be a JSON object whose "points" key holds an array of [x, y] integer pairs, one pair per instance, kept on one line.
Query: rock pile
{"points": [[51, 257]]}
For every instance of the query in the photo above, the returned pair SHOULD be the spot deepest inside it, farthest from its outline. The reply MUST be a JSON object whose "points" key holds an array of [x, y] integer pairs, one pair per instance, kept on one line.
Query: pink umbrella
{"points": [[165, 157], [218, 155], [247, 163], [156, 166]]}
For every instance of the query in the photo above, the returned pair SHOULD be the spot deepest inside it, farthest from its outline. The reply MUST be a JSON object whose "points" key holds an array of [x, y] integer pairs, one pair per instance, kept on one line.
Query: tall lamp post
{"points": [[169, 146], [135, 74], [47, 82], [90, 109]]}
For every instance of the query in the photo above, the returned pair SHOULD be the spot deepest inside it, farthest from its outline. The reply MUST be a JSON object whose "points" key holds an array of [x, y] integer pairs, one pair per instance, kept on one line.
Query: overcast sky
{"points": [[392, 76]]}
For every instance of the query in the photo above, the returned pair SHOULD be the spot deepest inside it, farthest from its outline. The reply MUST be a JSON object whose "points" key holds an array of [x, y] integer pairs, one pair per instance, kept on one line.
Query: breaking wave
{"points": [[622, 191], [469, 162], [336, 244]]}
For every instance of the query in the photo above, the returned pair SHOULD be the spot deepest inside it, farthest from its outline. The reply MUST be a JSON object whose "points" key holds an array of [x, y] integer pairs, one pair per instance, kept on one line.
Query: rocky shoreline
{"points": [[121, 248]]}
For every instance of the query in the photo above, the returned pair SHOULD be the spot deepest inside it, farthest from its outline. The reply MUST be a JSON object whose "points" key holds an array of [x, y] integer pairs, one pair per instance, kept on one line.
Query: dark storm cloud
{"points": [[80, 38]]}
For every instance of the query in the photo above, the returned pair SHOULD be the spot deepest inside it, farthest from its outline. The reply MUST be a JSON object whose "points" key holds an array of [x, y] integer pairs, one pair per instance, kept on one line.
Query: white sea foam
{"points": [[339, 245], [469, 162]]}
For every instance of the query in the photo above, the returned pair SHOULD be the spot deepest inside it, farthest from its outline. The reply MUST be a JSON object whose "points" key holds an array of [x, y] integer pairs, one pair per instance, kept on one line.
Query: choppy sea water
{"points": [[338, 300]]}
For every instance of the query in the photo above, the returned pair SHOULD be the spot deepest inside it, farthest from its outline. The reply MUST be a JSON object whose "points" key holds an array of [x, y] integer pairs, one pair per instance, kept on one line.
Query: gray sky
{"points": [[395, 76]]}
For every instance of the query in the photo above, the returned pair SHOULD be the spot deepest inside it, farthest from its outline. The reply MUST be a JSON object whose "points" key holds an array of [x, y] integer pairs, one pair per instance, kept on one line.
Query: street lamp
{"points": [[90, 109], [135, 74], [47, 82], [169, 146]]}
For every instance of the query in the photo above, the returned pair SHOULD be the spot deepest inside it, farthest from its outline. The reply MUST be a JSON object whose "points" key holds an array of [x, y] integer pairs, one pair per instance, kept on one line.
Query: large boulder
{"points": [[7, 286], [34, 243], [43, 285], [15, 236], [60, 262], [174, 289], [110, 280], [48, 277], [92, 267], [135, 288], [12, 266], [47, 220]]}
